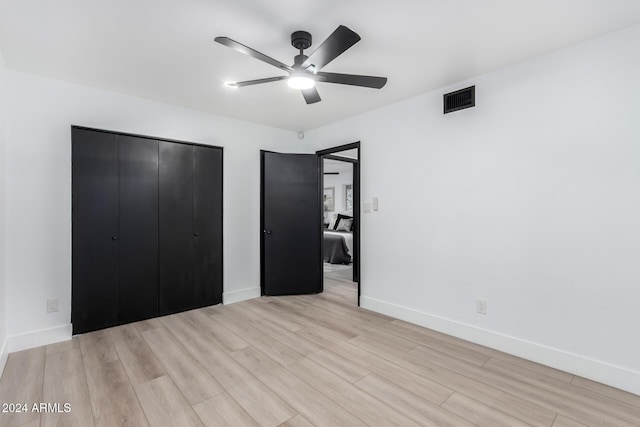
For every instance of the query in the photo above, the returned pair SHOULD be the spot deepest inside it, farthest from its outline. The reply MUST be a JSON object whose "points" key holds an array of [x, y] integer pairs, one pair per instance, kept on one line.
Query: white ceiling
{"points": [[164, 49]]}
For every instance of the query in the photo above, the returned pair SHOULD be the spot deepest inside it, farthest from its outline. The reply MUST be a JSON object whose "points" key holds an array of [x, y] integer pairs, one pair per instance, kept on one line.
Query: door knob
{"points": [[114, 238], [266, 231], [195, 234]]}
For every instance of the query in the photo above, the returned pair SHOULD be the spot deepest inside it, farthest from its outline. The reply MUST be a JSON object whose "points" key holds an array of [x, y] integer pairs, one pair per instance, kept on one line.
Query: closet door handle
{"points": [[195, 234], [266, 231], [114, 238]]}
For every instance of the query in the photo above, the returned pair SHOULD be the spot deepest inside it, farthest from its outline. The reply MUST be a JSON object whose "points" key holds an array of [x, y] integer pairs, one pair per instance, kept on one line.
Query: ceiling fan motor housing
{"points": [[300, 40], [298, 60]]}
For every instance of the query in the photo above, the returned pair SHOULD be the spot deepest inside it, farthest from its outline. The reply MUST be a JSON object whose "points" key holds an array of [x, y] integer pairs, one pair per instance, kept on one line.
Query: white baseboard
{"points": [[39, 338], [4, 354], [240, 295], [606, 373]]}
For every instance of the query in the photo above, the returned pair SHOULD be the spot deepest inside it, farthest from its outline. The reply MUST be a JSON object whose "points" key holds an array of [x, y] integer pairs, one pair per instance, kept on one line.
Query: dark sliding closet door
{"points": [[190, 227], [176, 227], [95, 230], [138, 237], [207, 225]]}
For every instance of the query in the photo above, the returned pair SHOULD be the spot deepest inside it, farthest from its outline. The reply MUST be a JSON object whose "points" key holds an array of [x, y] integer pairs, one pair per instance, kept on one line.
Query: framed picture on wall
{"points": [[348, 197], [329, 199]]}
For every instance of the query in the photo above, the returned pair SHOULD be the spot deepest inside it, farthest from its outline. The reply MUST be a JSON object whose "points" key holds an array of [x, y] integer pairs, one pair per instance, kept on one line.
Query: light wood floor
{"points": [[297, 361]]}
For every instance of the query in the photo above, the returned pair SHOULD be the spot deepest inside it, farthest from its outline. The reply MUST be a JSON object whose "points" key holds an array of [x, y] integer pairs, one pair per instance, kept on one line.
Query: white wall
{"points": [[39, 190], [531, 200], [3, 204], [338, 182]]}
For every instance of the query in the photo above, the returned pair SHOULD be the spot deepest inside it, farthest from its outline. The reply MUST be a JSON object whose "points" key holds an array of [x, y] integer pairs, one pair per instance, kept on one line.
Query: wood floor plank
{"points": [[260, 363], [534, 367], [605, 390], [97, 348], [65, 382], [569, 392], [73, 343], [139, 361], [186, 372], [566, 422], [323, 303], [113, 401], [146, 325], [275, 349], [223, 411], [305, 399], [338, 365], [298, 314], [468, 352], [544, 398], [529, 370], [410, 404], [264, 406], [164, 404], [519, 408], [286, 337], [22, 382], [320, 317], [429, 390], [273, 317], [297, 421], [436, 357], [478, 413], [438, 338], [358, 402], [214, 331], [319, 336], [392, 340], [451, 345]]}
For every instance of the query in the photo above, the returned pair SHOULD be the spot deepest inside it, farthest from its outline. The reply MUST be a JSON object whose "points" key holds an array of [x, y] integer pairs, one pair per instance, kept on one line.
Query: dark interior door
{"points": [[207, 225], [138, 238], [291, 224], [95, 230], [176, 228]]}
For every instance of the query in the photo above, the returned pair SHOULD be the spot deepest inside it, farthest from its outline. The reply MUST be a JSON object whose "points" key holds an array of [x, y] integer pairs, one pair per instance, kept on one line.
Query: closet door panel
{"points": [[175, 227], [95, 230], [207, 225], [138, 239]]}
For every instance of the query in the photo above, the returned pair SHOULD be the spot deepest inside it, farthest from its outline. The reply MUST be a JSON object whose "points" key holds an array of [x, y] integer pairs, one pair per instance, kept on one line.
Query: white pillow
{"points": [[332, 223], [344, 224]]}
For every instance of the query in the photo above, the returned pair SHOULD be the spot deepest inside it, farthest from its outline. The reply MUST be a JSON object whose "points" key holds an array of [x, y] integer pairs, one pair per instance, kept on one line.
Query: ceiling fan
{"points": [[305, 71]]}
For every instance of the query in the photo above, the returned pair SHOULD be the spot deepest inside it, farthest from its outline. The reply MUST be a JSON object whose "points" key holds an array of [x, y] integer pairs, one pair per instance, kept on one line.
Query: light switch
{"points": [[375, 204], [367, 207]]}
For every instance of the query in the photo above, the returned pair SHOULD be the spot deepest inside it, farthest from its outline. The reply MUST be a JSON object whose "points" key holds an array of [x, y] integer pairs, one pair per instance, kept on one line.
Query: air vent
{"points": [[460, 99]]}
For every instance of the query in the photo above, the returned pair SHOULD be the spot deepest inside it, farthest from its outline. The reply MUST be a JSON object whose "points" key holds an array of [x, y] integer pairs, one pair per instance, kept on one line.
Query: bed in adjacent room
{"points": [[338, 240]]}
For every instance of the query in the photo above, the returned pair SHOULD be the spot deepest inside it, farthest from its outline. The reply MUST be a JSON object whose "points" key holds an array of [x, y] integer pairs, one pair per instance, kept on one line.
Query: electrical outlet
{"points": [[52, 305], [481, 306]]}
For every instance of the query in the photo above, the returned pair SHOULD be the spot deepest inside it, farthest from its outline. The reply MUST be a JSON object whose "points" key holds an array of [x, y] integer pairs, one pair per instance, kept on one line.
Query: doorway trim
{"points": [[329, 153]]}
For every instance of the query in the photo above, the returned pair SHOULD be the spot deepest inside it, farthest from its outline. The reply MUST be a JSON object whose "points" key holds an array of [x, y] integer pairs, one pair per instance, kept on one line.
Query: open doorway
{"points": [[340, 167]]}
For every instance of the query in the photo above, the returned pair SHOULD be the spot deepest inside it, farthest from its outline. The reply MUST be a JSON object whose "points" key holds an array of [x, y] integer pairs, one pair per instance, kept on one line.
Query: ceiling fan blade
{"points": [[339, 41], [256, 82], [311, 96], [352, 79], [226, 41]]}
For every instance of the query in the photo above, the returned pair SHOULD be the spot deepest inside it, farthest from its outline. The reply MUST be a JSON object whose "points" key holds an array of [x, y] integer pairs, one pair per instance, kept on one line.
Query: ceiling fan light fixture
{"points": [[302, 82]]}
